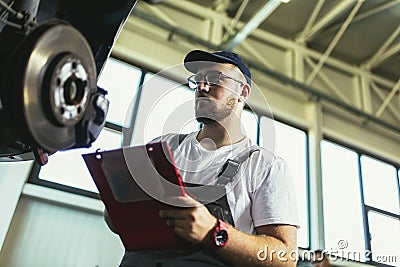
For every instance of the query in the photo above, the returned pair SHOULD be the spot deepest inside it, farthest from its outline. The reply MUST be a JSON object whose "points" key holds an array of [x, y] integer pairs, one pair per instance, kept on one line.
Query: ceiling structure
{"points": [[361, 33], [356, 37]]}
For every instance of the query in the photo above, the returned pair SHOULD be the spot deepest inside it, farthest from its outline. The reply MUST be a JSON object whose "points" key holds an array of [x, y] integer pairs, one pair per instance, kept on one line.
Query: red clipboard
{"points": [[131, 181]]}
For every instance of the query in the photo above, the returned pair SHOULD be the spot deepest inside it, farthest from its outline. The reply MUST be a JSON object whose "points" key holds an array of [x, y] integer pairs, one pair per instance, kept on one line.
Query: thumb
{"points": [[189, 201]]}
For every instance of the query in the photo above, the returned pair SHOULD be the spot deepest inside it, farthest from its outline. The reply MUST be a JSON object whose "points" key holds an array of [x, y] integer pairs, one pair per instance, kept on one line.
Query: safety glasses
{"points": [[210, 78]]}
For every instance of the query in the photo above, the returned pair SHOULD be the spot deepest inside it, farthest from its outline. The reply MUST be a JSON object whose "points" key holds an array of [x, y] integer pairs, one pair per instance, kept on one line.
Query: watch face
{"points": [[221, 237]]}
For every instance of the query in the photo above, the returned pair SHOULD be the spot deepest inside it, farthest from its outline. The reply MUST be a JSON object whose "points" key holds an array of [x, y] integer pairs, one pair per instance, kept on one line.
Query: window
{"points": [[68, 167], [121, 81], [361, 204], [165, 107], [382, 205], [384, 232], [343, 216], [380, 184], [249, 124], [291, 144]]}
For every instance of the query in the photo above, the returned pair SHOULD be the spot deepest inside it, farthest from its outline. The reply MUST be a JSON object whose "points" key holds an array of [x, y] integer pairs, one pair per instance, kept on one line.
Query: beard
{"points": [[211, 111]]}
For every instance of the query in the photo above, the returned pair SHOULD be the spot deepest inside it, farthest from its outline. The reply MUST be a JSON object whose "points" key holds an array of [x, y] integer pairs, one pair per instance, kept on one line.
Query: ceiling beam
{"points": [[391, 109], [235, 20], [256, 54], [221, 5], [199, 11], [311, 21], [334, 42], [362, 16], [337, 11], [389, 53], [255, 21], [174, 30], [388, 99], [381, 54], [160, 14], [364, 91], [286, 44], [328, 82]]}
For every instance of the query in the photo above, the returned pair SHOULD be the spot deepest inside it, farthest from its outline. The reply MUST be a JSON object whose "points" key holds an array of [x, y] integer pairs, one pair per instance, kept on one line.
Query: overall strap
{"points": [[181, 137], [232, 166]]}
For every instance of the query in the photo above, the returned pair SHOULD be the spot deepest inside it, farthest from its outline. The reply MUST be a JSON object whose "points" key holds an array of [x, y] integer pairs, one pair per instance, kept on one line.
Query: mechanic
{"points": [[258, 223]]}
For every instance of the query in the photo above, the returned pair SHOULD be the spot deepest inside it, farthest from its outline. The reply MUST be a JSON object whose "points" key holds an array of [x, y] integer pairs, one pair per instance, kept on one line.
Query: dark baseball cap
{"points": [[218, 57]]}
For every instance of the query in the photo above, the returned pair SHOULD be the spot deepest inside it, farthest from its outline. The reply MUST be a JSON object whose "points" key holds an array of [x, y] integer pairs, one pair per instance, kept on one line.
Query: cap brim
{"points": [[198, 56]]}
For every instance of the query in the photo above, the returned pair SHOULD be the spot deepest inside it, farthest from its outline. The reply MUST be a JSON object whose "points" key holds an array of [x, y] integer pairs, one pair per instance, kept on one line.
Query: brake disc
{"points": [[58, 78]]}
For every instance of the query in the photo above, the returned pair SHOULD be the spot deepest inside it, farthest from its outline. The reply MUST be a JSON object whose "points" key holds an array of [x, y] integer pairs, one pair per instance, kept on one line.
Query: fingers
{"points": [[186, 201], [183, 201], [183, 229], [173, 214], [184, 234], [179, 219], [189, 201], [192, 224], [177, 223]]}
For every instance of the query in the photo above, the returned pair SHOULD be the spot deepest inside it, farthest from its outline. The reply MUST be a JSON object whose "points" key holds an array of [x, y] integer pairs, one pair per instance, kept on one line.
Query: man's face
{"points": [[215, 103]]}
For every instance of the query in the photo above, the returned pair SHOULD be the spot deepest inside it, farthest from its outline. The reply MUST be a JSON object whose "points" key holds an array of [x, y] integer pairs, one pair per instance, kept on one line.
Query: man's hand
{"points": [[193, 223]]}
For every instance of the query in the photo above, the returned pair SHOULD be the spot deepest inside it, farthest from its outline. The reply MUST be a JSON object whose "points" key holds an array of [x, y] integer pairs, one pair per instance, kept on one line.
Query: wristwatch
{"points": [[220, 234]]}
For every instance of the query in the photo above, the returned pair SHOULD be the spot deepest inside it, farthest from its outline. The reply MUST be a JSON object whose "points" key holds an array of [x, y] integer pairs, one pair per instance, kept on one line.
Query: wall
{"points": [[54, 228], [12, 179]]}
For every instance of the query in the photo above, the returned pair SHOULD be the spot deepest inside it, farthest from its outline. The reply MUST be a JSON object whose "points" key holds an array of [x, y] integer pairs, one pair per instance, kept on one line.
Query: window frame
{"points": [[366, 208], [307, 145]]}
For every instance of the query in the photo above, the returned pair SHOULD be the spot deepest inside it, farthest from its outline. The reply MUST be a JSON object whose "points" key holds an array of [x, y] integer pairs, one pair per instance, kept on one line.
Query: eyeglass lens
{"points": [[211, 78]]}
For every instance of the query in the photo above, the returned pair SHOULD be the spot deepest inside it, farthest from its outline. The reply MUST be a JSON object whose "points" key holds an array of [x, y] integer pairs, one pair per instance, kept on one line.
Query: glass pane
{"points": [[342, 200], [381, 189], [291, 145], [121, 81], [385, 238], [68, 167], [165, 107], [249, 125], [267, 133]]}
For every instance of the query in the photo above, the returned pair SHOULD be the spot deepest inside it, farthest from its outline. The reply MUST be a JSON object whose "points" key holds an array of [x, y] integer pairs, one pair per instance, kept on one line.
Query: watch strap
{"points": [[220, 234]]}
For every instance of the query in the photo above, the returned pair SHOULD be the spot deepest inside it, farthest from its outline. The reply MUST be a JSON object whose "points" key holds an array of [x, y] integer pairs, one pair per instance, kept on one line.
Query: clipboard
{"points": [[131, 182]]}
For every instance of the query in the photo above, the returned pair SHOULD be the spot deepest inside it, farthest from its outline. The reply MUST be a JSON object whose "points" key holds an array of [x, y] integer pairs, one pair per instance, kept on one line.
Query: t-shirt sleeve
{"points": [[274, 200]]}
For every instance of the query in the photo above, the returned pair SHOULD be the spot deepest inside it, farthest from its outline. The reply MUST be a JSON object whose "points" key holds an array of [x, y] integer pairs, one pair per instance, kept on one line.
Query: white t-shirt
{"points": [[262, 191]]}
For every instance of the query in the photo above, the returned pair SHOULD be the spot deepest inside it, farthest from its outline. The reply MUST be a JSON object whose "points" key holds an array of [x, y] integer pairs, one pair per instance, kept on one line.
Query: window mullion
{"points": [[127, 133], [365, 210]]}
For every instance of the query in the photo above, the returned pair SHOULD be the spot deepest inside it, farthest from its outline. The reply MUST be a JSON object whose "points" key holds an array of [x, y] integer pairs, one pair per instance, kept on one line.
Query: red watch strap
{"points": [[222, 225], [221, 230]]}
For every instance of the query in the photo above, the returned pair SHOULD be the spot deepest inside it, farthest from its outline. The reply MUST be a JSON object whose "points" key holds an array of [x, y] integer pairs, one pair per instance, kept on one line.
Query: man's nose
{"points": [[203, 87]]}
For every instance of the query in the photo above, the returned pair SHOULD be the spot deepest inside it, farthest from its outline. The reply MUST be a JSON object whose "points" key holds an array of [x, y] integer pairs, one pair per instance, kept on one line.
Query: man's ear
{"points": [[245, 93]]}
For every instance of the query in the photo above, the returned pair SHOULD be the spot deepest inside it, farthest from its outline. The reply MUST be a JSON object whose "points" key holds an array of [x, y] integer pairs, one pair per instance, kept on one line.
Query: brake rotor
{"points": [[58, 79]]}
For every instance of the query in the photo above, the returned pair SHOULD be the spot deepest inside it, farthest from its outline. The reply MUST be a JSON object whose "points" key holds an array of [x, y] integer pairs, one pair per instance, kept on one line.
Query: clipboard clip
{"points": [[98, 154]]}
